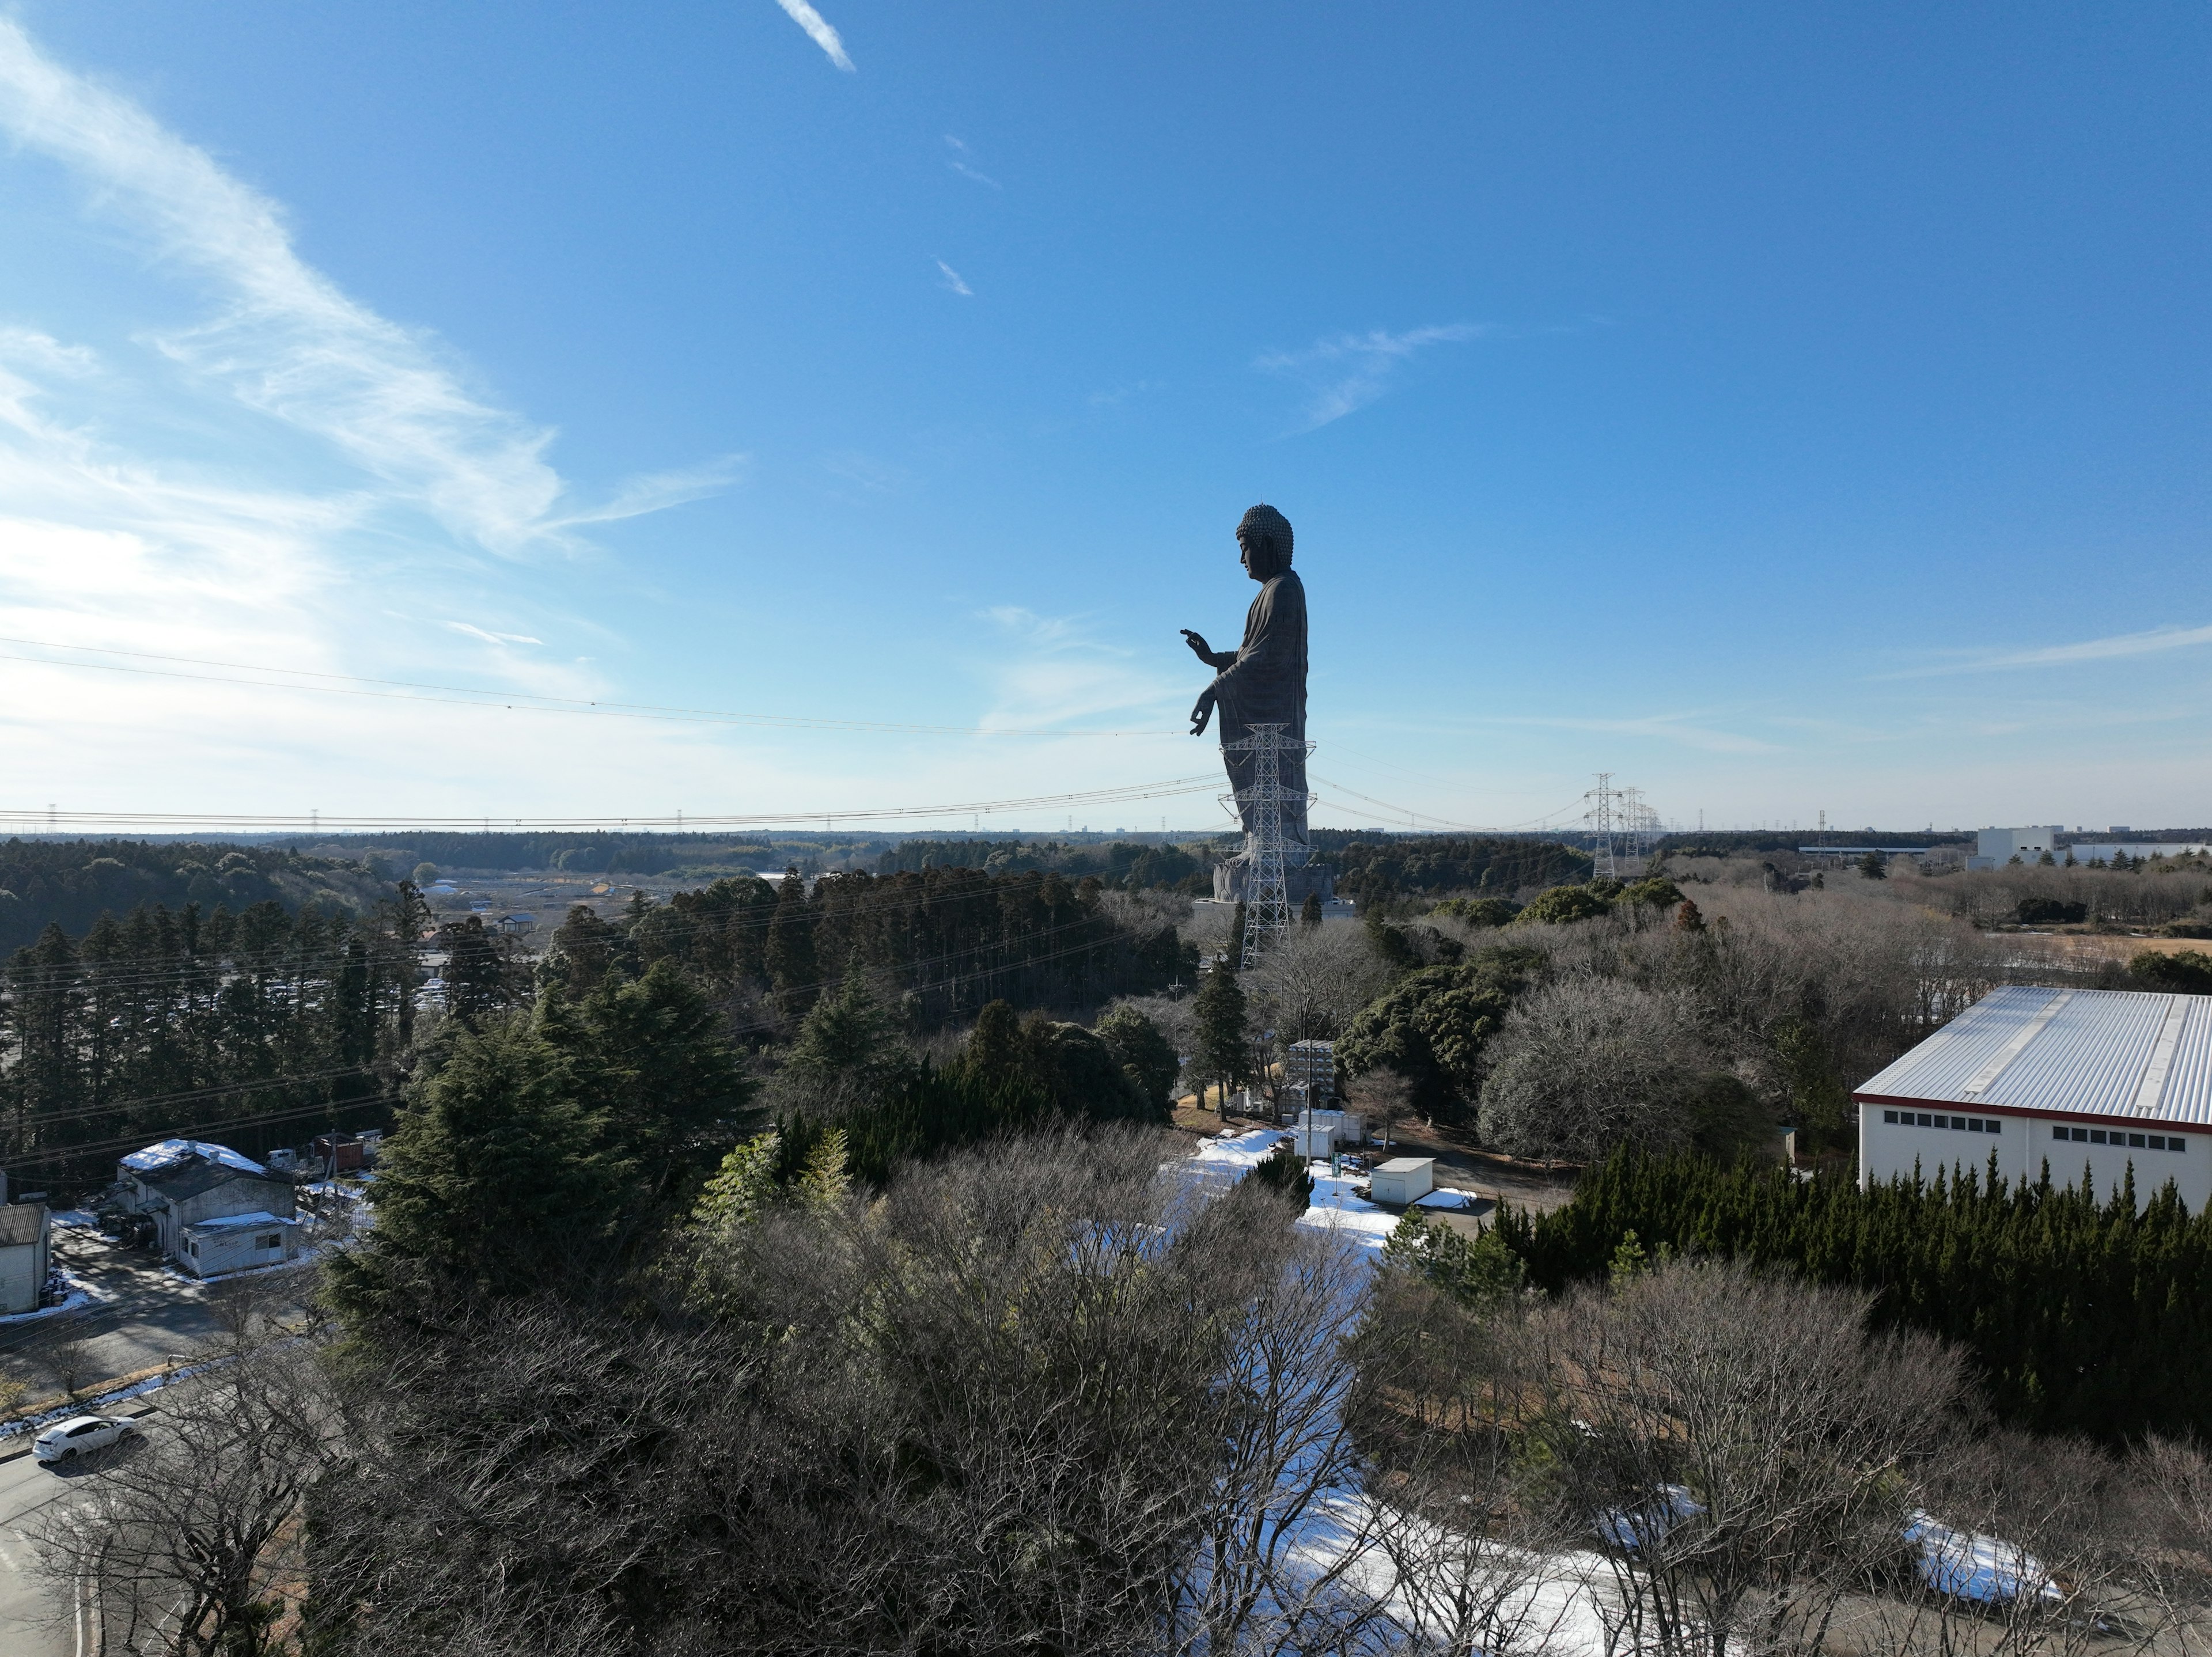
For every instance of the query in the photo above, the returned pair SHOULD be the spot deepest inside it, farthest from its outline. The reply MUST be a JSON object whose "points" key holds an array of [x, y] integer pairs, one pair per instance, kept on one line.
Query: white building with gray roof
{"points": [[2108, 1080]]}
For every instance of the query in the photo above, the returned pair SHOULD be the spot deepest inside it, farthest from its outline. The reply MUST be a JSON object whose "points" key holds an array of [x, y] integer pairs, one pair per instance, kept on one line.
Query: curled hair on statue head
{"points": [[1271, 532]]}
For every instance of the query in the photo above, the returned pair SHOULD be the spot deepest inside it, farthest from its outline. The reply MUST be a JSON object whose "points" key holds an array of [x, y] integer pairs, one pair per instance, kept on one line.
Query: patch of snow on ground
{"points": [[79, 1296], [1337, 1208], [1442, 1197]]}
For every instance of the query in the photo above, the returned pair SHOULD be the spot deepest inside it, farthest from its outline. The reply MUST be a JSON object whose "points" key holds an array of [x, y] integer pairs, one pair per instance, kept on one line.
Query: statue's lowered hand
{"points": [[1201, 714]]}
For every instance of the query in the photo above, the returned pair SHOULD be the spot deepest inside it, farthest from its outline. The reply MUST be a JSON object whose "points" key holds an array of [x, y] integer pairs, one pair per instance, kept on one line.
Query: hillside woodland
{"points": [[803, 1267]]}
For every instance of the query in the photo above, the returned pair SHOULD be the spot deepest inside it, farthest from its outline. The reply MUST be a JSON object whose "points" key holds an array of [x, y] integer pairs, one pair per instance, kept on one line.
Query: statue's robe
{"points": [[1264, 683]]}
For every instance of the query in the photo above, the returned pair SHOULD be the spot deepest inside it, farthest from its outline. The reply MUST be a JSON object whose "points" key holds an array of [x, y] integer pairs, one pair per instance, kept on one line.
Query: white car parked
{"points": [[67, 1440]]}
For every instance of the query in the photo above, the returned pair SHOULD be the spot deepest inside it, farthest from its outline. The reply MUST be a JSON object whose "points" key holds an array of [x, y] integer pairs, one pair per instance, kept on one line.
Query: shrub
{"points": [[1560, 905], [2050, 912], [1286, 1171], [1479, 910], [2187, 971]]}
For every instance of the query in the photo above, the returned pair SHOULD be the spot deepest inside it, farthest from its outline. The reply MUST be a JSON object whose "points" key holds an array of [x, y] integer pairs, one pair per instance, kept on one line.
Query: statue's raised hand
{"points": [[1199, 647]]}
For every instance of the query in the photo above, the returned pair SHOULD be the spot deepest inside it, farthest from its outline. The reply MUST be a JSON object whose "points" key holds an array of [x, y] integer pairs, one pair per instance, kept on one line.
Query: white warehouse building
{"points": [[2102, 1079], [1994, 848]]}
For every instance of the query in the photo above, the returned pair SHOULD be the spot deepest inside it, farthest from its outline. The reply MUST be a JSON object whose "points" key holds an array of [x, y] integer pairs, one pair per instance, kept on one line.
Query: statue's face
{"points": [[1244, 552]]}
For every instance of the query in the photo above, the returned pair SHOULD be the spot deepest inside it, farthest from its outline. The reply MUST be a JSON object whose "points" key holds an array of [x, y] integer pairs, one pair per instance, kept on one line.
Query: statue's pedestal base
{"points": [[1232, 881]]}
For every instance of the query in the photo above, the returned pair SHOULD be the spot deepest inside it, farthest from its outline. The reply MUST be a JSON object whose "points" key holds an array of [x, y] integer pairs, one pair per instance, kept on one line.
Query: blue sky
{"points": [[1787, 409]]}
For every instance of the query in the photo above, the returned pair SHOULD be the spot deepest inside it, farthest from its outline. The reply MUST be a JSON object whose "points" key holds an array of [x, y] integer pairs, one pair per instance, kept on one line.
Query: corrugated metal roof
{"points": [[2097, 1052]]}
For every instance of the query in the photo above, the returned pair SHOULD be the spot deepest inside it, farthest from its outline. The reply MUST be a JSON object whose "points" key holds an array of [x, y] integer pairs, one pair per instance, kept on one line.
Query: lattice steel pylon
{"points": [[1268, 889], [1601, 819]]}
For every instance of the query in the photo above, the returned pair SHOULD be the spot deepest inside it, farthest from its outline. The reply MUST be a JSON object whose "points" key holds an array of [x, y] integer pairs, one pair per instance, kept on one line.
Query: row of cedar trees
{"points": [[953, 940], [264, 1027], [2084, 1315], [255, 1015]]}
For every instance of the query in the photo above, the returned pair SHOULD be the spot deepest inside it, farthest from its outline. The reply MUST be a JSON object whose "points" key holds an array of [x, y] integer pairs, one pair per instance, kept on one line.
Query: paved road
{"points": [[146, 1314], [36, 1620]]}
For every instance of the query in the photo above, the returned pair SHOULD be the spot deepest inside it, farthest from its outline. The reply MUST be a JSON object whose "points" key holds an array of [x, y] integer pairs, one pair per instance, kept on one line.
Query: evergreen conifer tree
{"points": [[500, 1175], [1224, 1044], [793, 970]]}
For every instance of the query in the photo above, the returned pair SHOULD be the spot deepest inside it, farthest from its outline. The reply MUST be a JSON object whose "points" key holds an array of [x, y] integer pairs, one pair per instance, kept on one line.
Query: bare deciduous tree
{"points": [[1315, 980], [1744, 1450], [189, 1535], [1585, 1064], [1386, 1095], [1039, 1396]]}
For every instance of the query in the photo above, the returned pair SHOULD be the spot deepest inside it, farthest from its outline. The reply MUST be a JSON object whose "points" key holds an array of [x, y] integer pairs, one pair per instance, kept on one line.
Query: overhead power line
{"points": [[510, 701], [320, 822]]}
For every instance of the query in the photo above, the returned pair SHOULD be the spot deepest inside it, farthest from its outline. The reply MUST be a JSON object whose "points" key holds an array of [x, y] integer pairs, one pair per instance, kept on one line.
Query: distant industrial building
{"points": [[1994, 848], [2105, 1079]]}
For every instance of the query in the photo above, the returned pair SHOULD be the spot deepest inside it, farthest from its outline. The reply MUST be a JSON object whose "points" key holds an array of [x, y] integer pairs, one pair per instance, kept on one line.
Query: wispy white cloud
{"points": [[284, 340], [963, 168], [1350, 371], [490, 637], [652, 492], [2117, 647], [818, 31], [1053, 669], [282, 477], [953, 281]]}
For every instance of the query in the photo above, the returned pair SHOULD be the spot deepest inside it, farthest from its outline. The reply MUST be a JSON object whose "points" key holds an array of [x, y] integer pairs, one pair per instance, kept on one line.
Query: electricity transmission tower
{"points": [[1623, 829], [1600, 817], [1266, 891], [1641, 824]]}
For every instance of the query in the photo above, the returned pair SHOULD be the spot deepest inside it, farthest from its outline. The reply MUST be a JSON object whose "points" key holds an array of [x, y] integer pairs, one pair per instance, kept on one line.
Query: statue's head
{"points": [[1264, 536]]}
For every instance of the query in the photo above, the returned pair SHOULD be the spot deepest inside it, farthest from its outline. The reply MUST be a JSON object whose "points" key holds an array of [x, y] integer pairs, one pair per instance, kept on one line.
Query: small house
{"points": [[25, 1256], [1403, 1180], [238, 1243], [178, 1183]]}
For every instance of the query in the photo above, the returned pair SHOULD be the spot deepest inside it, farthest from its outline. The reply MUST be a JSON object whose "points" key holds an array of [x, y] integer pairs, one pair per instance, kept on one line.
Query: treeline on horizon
{"points": [[940, 944], [71, 883]]}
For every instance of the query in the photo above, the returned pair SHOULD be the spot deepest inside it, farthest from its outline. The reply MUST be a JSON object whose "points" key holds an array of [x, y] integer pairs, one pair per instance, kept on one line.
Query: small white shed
{"points": [[24, 1256], [1404, 1179], [1318, 1132], [238, 1243]]}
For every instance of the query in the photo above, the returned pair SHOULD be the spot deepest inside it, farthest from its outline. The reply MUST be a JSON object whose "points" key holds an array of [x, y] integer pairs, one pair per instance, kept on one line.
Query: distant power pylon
{"points": [[1623, 829], [1600, 817]]}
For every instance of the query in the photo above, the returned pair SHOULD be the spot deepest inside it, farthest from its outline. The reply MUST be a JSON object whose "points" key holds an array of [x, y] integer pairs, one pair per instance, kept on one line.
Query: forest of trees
{"points": [[941, 943], [69, 884], [2082, 1314], [774, 1269], [262, 1027], [1372, 871], [266, 1026]]}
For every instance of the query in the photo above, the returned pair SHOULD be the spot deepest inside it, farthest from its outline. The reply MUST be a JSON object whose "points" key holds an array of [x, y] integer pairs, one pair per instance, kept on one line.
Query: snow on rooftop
{"points": [[170, 1152], [239, 1223]]}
